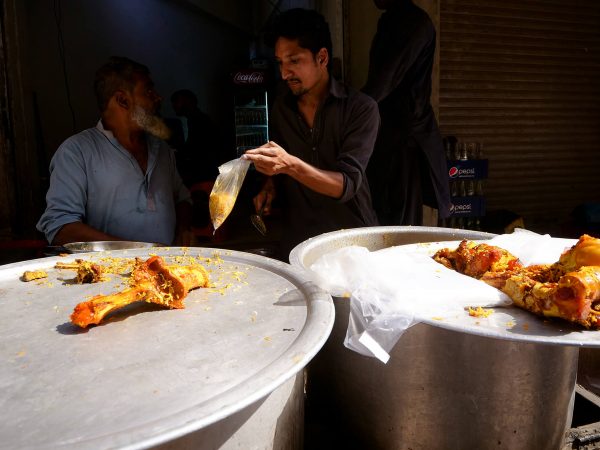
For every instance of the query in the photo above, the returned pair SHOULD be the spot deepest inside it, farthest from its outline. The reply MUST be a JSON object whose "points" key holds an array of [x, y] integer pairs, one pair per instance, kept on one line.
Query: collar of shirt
{"points": [[336, 89], [152, 143]]}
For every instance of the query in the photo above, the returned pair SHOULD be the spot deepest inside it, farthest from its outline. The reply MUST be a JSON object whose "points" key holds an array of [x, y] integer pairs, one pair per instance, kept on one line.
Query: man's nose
{"points": [[285, 73]]}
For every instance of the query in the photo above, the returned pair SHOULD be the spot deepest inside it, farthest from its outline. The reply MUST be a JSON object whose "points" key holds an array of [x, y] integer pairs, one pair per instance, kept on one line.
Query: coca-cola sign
{"points": [[249, 77]]}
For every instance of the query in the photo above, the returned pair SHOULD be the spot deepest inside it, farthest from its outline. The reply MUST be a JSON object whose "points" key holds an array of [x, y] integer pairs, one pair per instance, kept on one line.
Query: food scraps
{"points": [[30, 275]]}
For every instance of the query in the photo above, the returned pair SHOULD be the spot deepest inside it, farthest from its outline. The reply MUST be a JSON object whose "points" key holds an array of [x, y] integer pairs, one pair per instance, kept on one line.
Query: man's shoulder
{"points": [[358, 99], [77, 150], [411, 13], [85, 136], [360, 96], [410, 21], [345, 92], [82, 140], [356, 106]]}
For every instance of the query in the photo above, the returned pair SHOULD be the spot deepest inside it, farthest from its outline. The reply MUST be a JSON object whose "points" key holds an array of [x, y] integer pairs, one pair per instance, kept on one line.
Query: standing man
{"points": [[408, 167], [118, 180], [197, 158], [323, 136]]}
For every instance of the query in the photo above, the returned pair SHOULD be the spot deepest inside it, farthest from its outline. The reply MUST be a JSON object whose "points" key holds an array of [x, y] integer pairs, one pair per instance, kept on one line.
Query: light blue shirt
{"points": [[95, 180]]}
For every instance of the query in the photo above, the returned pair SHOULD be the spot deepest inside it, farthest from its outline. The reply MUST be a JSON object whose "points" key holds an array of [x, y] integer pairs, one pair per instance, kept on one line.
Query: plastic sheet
{"points": [[391, 289]]}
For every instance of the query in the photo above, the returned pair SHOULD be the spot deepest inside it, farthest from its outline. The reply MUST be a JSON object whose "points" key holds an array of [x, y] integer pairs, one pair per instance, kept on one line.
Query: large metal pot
{"points": [[441, 389], [274, 422], [226, 372]]}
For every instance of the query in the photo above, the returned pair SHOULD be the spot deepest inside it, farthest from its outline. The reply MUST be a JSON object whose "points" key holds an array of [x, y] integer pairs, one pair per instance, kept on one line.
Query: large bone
{"points": [[152, 282]]}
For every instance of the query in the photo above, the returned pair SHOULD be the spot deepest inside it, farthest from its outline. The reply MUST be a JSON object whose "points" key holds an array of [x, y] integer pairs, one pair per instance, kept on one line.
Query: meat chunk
{"points": [[151, 281]]}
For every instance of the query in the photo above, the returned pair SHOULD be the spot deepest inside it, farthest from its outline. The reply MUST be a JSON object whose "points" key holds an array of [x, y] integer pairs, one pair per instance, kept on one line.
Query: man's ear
{"points": [[122, 99], [323, 56]]}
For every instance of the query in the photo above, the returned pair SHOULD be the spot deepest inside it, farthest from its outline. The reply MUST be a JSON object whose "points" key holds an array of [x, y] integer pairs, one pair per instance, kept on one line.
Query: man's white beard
{"points": [[150, 123]]}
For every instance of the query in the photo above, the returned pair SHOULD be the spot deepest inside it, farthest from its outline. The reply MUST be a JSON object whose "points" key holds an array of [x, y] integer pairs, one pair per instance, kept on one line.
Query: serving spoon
{"points": [[258, 222]]}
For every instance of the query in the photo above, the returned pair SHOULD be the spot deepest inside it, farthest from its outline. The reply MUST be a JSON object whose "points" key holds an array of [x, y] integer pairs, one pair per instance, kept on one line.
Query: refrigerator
{"points": [[251, 109]]}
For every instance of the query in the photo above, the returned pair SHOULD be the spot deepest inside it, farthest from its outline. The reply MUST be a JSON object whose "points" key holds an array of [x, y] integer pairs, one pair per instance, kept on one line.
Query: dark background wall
{"points": [[53, 48], [522, 77], [519, 76], [183, 46]]}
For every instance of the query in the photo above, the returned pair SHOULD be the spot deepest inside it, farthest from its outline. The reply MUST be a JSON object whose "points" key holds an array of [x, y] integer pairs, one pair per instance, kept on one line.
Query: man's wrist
{"points": [[293, 168]]}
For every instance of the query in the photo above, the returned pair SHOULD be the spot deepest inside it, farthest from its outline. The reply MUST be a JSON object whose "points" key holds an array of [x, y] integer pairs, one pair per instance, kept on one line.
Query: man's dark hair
{"points": [[306, 25], [117, 74], [185, 93]]}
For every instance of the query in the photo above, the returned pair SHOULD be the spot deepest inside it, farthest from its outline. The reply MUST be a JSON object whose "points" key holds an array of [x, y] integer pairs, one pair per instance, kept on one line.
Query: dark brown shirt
{"points": [[408, 167], [341, 140]]}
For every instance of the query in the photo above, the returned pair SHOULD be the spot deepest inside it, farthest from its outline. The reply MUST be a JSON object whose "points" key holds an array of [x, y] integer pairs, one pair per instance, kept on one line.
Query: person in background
{"points": [[323, 135], [408, 167], [198, 156], [176, 138], [118, 180]]}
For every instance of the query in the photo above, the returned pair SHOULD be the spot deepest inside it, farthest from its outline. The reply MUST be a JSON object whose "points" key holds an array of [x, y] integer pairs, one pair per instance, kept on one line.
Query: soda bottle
{"points": [[470, 187], [449, 154], [479, 187], [462, 188], [454, 188], [463, 152], [473, 150], [456, 150]]}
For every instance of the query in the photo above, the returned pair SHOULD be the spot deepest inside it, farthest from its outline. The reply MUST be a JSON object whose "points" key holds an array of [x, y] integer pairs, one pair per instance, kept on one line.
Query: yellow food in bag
{"points": [[226, 189], [220, 205]]}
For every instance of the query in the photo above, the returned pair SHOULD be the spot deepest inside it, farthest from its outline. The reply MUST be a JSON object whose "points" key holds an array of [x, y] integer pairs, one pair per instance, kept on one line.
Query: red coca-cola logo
{"points": [[249, 78]]}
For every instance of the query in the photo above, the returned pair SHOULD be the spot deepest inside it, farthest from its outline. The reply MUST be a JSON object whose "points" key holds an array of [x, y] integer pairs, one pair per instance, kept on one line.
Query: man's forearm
{"points": [[324, 182], [80, 232], [271, 159]]}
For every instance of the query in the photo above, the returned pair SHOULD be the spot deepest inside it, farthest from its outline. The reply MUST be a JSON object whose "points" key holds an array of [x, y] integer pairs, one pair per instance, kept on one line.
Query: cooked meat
{"points": [[151, 281], [87, 272], [568, 289], [481, 261]]}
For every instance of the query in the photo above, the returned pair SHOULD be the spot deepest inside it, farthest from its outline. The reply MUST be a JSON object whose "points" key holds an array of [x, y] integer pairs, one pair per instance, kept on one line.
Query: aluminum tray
{"points": [[101, 246], [149, 375]]}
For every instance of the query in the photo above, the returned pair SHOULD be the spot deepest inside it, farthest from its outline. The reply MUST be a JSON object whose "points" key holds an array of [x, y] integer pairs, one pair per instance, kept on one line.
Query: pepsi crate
{"points": [[475, 169], [470, 206]]}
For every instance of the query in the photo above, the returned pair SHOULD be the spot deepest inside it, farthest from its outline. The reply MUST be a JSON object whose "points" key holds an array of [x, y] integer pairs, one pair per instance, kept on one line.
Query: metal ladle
{"points": [[258, 222]]}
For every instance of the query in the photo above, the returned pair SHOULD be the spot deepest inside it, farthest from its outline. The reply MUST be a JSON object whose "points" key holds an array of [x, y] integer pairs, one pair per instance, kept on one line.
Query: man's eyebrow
{"points": [[289, 56]]}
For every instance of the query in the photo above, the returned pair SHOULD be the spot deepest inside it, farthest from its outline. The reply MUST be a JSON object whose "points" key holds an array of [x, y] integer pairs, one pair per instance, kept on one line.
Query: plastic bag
{"points": [[226, 189]]}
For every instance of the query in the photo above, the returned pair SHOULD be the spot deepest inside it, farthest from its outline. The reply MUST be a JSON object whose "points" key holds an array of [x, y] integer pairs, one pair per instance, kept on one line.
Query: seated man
{"points": [[118, 180]]}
